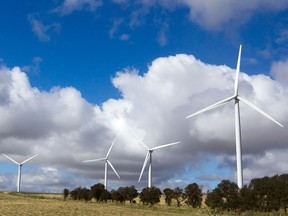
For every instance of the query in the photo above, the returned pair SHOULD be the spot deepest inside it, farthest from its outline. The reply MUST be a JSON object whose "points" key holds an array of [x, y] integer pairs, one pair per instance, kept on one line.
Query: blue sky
{"points": [[91, 69]]}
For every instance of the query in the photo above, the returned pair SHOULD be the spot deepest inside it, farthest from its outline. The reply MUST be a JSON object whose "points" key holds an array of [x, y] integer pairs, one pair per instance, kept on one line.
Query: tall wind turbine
{"points": [[149, 158], [237, 99], [106, 162], [19, 169]]}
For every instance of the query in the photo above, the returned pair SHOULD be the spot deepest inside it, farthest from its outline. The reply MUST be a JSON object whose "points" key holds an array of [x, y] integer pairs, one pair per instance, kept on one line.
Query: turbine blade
{"points": [[166, 145], [259, 110], [111, 147], [11, 159], [140, 140], [144, 165], [28, 159], [219, 103], [110, 164], [93, 160], [236, 84]]}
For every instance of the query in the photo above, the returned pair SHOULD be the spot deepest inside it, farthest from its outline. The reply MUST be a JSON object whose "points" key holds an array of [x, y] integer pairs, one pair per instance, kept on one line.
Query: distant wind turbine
{"points": [[237, 98], [149, 158], [106, 162], [19, 169]]}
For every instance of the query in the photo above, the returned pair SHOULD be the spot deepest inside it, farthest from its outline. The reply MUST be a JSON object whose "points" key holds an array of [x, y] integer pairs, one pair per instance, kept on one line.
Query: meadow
{"points": [[13, 204]]}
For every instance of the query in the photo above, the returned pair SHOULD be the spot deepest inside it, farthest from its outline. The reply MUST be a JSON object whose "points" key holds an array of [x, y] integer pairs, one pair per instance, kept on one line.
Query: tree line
{"points": [[261, 194], [191, 196]]}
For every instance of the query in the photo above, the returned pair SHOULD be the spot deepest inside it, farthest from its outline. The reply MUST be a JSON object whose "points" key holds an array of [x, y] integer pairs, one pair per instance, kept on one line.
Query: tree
{"points": [[131, 193], [263, 190], [150, 195], [66, 193], [224, 196], [283, 184], [105, 195], [124, 193], [229, 192], [97, 190], [214, 199], [269, 192], [168, 195], [194, 195], [178, 195], [247, 199], [80, 194], [114, 195], [76, 193], [85, 194]]}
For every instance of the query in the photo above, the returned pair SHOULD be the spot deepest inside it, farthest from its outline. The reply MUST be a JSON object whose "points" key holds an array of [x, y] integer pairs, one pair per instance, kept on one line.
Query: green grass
{"points": [[53, 204]]}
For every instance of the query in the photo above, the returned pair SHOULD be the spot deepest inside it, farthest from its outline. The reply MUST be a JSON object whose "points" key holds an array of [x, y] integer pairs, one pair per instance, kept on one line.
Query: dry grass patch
{"points": [[14, 204]]}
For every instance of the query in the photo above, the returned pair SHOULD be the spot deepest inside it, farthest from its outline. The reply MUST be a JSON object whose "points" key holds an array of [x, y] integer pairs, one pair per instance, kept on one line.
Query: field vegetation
{"points": [[15, 204], [53, 204], [262, 196]]}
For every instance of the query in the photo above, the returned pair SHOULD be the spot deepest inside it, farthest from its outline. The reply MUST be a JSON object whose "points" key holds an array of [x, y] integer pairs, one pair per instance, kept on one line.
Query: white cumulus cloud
{"points": [[65, 129]]}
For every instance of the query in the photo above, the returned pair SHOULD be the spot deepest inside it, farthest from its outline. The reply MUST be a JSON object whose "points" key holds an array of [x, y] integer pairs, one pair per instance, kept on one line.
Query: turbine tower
{"points": [[237, 99], [19, 169], [106, 163], [149, 158]]}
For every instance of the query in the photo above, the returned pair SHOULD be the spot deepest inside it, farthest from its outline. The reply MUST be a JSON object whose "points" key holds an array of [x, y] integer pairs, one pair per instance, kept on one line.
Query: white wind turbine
{"points": [[106, 162], [237, 98], [149, 157], [19, 169]]}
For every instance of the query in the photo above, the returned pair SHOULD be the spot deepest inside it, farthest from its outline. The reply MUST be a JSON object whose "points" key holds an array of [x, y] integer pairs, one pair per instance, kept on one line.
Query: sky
{"points": [[75, 74]]}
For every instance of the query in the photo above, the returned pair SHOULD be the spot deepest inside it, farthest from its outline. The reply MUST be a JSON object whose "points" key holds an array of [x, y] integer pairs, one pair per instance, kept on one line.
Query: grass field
{"points": [[13, 204]]}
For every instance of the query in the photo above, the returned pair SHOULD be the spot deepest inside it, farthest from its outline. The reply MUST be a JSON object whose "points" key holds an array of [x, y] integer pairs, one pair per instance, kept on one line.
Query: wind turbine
{"points": [[237, 99], [106, 162], [19, 169], [149, 157]]}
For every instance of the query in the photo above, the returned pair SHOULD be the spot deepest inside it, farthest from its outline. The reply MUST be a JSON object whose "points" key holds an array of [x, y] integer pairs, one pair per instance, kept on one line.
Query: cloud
{"points": [[216, 15], [260, 165], [282, 36], [162, 35], [124, 37], [69, 6], [115, 27], [279, 70], [34, 67], [120, 1], [42, 31], [65, 129]]}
